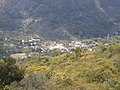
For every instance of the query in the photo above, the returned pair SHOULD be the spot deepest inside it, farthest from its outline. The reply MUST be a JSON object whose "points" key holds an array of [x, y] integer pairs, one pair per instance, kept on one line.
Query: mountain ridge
{"points": [[61, 19]]}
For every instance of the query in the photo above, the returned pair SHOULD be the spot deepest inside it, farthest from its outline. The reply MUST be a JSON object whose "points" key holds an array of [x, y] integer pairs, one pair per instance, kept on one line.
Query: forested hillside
{"points": [[61, 19]]}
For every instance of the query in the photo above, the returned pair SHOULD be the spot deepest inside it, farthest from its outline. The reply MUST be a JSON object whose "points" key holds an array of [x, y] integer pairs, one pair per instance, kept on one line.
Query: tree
{"points": [[9, 72]]}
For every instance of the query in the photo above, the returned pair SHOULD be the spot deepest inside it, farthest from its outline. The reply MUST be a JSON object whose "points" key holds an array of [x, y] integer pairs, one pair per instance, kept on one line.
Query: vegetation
{"points": [[61, 19], [43, 30], [93, 70], [9, 72]]}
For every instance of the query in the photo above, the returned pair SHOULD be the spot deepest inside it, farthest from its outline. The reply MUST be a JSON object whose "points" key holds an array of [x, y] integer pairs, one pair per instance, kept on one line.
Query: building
{"points": [[19, 55]]}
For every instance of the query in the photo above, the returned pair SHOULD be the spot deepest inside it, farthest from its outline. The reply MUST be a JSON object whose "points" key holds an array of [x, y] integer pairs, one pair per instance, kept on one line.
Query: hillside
{"points": [[61, 19], [80, 70]]}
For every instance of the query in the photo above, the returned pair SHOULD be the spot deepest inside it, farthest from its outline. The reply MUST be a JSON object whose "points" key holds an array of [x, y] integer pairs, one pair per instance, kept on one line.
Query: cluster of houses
{"points": [[48, 46]]}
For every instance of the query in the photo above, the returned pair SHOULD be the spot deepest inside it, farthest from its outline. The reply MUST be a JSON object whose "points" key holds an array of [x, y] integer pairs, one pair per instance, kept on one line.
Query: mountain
{"points": [[61, 19]]}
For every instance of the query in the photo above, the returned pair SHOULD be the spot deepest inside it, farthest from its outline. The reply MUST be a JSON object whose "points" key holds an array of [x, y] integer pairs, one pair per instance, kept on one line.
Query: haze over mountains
{"points": [[61, 19]]}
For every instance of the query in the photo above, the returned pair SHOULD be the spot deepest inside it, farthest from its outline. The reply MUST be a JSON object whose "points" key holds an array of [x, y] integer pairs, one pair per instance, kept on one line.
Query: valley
{"points": [[59, 44]]}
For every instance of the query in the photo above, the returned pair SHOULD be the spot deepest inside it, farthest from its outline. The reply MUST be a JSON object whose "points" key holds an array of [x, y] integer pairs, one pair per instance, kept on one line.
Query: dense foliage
{"points": [[9, 72], [91, 70]]}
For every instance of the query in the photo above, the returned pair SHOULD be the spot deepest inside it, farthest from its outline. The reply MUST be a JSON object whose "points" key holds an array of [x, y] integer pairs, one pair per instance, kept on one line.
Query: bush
{"points": [[9, 72]]}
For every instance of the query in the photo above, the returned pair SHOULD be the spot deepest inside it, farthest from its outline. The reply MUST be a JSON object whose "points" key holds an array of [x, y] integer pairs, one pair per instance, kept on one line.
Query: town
{"points": [[35, 47], [20, 45]]}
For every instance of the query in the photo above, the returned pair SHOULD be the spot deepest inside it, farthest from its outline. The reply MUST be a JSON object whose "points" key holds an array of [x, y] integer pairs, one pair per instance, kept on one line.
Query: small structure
{"points": [[60, 47], [19, 55], [33, 54]]}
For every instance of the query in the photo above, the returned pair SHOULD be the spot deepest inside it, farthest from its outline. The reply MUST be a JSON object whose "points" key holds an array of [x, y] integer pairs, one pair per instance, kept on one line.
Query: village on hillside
{"points": [[21, 45], [35, 47]]}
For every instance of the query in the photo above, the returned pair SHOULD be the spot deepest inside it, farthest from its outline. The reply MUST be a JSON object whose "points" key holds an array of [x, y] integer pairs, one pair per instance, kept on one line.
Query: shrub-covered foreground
{"points": [[9, 72], [84, 70]]}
